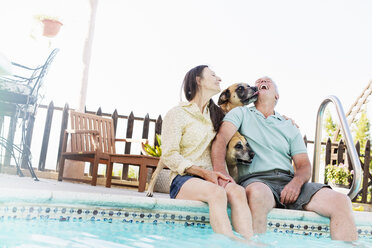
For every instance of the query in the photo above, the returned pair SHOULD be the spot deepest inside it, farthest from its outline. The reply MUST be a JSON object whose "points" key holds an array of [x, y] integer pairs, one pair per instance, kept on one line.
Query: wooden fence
{"points": [[335, 153]]}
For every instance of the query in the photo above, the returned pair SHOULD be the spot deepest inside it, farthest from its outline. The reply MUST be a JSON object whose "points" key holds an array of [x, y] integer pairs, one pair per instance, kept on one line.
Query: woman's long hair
{"points": [[190, 87]]}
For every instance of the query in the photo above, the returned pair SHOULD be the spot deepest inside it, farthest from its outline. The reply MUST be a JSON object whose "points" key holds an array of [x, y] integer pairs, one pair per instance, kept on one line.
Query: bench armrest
{"points": [[72, 131], [133, 140]]}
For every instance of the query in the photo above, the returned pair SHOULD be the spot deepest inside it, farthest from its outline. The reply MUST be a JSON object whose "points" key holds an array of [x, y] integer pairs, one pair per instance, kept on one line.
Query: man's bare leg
{"points": [[261, 201], [338, 208]]}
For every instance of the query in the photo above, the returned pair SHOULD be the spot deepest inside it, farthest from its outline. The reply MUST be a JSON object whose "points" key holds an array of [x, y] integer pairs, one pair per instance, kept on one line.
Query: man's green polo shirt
{"points": [[274, 140]]}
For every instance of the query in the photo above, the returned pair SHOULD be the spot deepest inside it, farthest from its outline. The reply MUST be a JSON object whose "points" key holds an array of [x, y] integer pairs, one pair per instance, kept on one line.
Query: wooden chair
{"points": [[93, 140]]}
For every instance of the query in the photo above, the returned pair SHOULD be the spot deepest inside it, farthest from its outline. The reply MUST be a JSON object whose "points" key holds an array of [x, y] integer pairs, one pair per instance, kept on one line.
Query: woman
{"points": [[187, 133]]}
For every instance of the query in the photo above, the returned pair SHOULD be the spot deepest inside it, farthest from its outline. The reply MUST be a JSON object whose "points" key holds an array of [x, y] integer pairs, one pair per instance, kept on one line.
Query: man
{"points": [[270, 180]]}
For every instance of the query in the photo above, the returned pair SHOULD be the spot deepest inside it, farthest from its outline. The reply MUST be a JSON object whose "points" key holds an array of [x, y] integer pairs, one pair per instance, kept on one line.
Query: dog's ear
{"points": [[224, 97]]}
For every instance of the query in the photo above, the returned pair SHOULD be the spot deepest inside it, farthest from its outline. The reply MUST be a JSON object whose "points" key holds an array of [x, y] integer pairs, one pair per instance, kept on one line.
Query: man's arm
{"points": [[292, 190], [225, 133], [208, 175]]}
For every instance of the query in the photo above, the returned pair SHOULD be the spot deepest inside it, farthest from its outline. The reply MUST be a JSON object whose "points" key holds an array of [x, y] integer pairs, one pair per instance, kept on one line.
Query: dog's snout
{"points": [[251, 154]]}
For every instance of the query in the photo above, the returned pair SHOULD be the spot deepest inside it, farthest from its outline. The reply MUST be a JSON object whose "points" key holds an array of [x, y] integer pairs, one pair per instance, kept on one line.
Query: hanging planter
{"points": [[51, 27]]}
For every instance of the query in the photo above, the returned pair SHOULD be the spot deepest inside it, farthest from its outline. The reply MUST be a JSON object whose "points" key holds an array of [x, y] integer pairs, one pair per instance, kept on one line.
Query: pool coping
{"points": [[9, 195]]}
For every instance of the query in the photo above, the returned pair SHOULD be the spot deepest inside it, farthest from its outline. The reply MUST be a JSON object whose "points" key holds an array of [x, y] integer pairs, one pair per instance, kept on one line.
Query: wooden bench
{"points": [[93, 140]]}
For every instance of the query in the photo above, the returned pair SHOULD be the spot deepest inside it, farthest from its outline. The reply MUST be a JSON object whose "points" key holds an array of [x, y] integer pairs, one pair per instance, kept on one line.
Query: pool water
{"points": [[54, 233]]}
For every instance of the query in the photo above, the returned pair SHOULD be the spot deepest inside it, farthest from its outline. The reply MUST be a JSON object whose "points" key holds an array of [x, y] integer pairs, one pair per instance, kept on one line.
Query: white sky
{"points": [[142, 50]]}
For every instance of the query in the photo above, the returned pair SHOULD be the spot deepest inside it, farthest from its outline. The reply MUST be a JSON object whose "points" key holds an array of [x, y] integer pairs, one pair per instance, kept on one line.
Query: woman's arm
{"points": [[172, 131]]}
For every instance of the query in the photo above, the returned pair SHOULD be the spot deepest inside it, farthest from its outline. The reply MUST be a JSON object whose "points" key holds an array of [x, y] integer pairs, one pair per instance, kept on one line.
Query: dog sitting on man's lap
{"points": [[238, 150]]}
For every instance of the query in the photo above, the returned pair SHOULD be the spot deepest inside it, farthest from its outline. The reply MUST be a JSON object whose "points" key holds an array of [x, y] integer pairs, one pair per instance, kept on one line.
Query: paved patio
{"points": [[16, 182]]}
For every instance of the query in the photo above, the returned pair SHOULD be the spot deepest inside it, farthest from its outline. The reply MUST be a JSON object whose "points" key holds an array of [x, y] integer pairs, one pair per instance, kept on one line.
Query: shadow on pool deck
{"points": [[16, 182]]}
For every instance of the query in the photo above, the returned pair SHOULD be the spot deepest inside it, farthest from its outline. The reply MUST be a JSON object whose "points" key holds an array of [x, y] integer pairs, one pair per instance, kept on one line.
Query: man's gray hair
{"points": [[277, 90], [275, 85]]}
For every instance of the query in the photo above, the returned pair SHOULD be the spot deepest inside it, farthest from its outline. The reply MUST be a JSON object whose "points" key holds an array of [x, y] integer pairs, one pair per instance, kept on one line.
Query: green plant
{"points": [[155, 150], [133, 172], [338, 174]]}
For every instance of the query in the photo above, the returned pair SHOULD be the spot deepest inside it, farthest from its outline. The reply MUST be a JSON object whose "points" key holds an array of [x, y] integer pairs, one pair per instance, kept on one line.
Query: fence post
{"points": [[146, 125], [62, 132], [305, 140], [130, 124], [115, 117], [340, 152], [158, 125], [44, 145], [99, 112], [328, 152], [357, 147], [367, 159]]}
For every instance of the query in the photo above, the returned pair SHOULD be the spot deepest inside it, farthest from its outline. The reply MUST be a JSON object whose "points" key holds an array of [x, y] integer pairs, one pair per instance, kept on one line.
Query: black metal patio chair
{"points": [[19, 96]]}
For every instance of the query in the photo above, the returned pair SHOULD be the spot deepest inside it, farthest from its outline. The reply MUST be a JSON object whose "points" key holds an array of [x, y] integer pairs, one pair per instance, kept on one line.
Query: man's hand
{"points": [[223, 182], [218, 153], [291, 191], [214, 176]]}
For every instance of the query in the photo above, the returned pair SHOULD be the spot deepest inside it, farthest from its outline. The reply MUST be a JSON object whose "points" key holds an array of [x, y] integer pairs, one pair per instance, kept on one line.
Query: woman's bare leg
{"points": [[201, 190], [240, 213]]}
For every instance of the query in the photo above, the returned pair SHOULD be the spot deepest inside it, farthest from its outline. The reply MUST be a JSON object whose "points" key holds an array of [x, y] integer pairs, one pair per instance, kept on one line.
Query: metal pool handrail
{"points": [[357, 177]]}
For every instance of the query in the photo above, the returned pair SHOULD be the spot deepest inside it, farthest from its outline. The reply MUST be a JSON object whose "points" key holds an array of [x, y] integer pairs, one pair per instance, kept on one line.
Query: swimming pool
{"points": [[66, 219]]}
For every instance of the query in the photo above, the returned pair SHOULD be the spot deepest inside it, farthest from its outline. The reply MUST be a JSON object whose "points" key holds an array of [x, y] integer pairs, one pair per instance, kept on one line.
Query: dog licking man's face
{"points": [[236, 95]]}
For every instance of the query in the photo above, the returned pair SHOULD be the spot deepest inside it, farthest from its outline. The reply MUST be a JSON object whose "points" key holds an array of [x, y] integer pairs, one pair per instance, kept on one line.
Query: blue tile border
{"points": [[78, 206], [73, 213]]}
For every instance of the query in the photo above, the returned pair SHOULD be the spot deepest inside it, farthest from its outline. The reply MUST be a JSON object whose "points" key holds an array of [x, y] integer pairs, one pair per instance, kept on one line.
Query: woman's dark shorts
{"points": [[276, 180], [177, 183]]}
